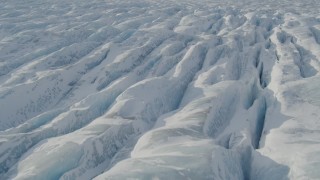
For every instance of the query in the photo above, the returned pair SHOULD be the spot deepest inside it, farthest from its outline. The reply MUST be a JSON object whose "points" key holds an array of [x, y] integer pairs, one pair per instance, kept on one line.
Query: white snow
{"points": [[146, 89]]}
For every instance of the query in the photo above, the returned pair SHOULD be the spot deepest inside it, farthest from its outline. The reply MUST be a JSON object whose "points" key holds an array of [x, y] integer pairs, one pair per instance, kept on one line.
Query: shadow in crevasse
{"points": [[263, 167]]}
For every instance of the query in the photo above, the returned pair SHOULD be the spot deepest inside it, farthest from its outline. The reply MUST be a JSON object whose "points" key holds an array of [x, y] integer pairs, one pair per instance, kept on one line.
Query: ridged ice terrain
{"points": [[160, 89]]}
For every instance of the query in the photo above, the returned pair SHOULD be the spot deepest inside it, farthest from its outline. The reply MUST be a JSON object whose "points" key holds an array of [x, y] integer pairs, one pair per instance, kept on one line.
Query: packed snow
{"points": [[160, 89]]}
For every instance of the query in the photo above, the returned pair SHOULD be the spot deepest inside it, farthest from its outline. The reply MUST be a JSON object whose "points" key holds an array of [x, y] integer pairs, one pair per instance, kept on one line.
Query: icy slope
{"points": [[159, 89]]}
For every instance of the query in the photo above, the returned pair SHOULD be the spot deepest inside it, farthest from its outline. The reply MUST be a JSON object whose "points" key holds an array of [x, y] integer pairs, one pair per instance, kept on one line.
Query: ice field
{"points": [[160, 89]]}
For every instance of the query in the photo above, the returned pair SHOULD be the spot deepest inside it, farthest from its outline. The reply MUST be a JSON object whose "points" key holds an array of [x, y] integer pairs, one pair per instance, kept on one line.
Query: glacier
{"points": [[145, 89]]}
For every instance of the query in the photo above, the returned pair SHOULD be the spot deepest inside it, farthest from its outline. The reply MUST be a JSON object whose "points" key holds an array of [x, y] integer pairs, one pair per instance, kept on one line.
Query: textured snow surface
{"points": [[160, 89]]}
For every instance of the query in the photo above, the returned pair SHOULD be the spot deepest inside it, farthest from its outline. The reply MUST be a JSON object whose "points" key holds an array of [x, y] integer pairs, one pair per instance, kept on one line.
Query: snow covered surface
{"points": [[160, 89]]}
